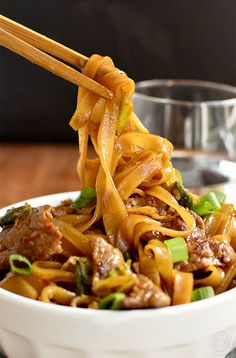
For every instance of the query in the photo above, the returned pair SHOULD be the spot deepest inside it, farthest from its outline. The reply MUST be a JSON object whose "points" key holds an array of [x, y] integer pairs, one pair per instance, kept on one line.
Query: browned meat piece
{"points": [[63, 209], [139, 201], [175, 223], [150, 235], [34, 235], [145, 294], [223, 251], [105, 259], [203, 251]]}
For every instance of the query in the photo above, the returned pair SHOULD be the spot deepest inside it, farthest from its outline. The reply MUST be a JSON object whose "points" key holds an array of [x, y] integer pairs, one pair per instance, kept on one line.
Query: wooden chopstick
{"points": [[33, 54], [42, 42]]}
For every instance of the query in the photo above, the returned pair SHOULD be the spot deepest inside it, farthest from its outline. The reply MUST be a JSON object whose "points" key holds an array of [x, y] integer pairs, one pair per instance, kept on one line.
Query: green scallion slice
{"points": [[177, 248], [86, 196], [112, 301], [209, 203], [20, 264], [126, 256], [202, 292], [125, 111], [83, 278], [212, 198], [203, 209], [185, 198], [220, 196]]}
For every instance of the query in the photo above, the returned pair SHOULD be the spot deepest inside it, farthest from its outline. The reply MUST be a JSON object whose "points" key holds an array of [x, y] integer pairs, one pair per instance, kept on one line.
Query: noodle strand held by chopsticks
{"points": [[114, 144]]}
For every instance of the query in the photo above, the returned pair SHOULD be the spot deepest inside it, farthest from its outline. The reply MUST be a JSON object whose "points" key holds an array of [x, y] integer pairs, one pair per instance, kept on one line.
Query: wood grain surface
{"points": [[31, 170]]}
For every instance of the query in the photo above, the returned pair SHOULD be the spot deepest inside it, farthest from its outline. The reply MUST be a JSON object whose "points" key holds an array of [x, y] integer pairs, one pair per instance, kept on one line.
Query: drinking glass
{"points": [[199, 118], [192, 114]]}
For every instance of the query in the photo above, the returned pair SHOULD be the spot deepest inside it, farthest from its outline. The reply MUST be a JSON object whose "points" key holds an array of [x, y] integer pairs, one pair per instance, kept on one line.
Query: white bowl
{"points": [[32, 329]]}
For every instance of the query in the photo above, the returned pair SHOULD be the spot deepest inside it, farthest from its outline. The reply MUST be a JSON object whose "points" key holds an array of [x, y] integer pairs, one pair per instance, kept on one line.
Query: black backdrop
{"points": [[147, 39]]}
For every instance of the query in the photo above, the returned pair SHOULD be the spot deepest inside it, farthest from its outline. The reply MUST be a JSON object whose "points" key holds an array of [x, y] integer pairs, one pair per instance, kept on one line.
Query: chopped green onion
{"points": [[126, 256], [112, 301], [20, 264], [185, 198], [212, 198], [220, 196], [203, 209], [177, 248], [86, 196], [83, 277], [13, 214], [202, 292], [126, 110], [209, 203]]}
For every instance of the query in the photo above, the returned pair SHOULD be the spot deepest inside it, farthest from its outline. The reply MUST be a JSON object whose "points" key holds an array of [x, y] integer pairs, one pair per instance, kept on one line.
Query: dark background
{"points": [[148, 39]]}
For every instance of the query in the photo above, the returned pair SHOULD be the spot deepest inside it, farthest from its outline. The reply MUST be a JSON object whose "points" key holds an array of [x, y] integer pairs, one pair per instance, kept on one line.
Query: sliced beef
{"points": [[176, 223], [204, 251], [145, 294], [170, 220], [106, 258], [138, 201], [154, 234], [33, 235]]}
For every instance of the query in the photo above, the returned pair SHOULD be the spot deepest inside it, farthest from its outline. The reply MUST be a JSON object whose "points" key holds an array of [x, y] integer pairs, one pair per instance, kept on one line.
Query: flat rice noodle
{"points": [[133, 141], [183, 287], [140, 172], [82, 114]]}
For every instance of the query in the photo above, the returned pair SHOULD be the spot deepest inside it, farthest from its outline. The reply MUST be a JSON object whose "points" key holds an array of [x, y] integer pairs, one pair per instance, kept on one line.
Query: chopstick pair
{"points": [[30, 44]]}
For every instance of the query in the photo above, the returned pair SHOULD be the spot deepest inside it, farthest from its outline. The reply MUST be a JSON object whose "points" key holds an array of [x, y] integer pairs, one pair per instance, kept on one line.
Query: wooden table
{"points": [[30, 170]]}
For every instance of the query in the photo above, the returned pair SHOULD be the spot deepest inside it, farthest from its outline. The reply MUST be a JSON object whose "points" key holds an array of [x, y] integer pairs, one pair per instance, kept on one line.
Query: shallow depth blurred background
{"points": [[149, 39]]}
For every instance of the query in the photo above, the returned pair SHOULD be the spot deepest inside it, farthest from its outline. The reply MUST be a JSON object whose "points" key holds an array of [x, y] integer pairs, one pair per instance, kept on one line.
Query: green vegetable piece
{"points": [[83, 278], [86, 196], [125, 112], [185, 199], [177, 248], [202, 292], [113, 301], [209, 203], [126, 256], [220, 196], [212, 198], [20, 264], [13, 214], [203, 209]]}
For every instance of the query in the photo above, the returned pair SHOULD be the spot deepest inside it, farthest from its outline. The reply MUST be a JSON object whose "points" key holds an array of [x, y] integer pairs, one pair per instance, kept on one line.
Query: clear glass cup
{"points": [[199, 118], [192, 114]]}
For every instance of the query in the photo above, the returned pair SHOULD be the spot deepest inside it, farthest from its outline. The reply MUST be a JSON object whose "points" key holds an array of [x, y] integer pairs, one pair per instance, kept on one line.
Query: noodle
{"points": [[53, 293]]}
